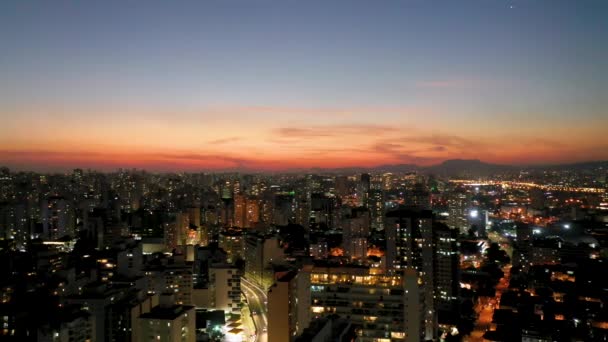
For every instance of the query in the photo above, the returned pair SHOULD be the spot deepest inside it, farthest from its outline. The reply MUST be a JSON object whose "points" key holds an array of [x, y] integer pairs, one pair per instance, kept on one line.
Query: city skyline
{"points": [[283, 86]]}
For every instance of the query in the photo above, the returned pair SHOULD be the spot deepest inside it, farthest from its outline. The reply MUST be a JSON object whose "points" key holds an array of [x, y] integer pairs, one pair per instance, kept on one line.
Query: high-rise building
{"points": [[319, 248], [288, 306], [363, 189], [458, 204], [240, 211], [168, 322], [70, 324], [342, 187], [260, 253], [303, 213], [523, 246], [445, 266], [323, 209], [477, 220], [387, 181], [355, 233], [58, 219], [226, 282], [129, 259], [283, 209], [252, 212], [409, 244], [376, 207], [382, 307], [419, 197], [105, 305], [413, 305], [232, 242], [14, 223], [177, 230], [194, 217], [171, 275]]}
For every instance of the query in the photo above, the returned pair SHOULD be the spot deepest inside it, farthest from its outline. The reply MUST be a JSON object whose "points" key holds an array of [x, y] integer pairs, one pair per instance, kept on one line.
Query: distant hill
{"points": [[467, 168]]}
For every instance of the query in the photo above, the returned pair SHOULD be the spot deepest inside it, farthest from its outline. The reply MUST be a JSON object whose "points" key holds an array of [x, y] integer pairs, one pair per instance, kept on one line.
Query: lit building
{"points": [[355, 233], [376, 208], [231, 241], [409, 244], [381, 307], [58, 219], [168, 322], [68, 325], [332, 328], [523, 246], [283, 209], [458, 203], [240, 211], [302, 214], [260, 252], [419, 197], [323, 209], [14, 223], [319, 249], [477, 219], [129, 259], [226, 282], [252, 213], [171, 275], [387, 181], [446, 266], [103, 303], [363, 189], [176, 233]]}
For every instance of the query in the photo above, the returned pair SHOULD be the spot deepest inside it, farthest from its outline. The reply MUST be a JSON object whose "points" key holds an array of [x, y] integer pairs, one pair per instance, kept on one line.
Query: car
{"points": [[265, 330]]}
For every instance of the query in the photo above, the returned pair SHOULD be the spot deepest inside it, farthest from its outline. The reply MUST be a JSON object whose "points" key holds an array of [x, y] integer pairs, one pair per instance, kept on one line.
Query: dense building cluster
{"points": [[371, 257]]}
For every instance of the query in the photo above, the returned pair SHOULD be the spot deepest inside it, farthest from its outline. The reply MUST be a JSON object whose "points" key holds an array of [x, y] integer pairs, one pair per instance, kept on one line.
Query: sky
{"points": [[276, 85]]}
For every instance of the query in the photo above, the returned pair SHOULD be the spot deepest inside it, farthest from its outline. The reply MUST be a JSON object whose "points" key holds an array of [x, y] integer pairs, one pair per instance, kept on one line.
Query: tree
{"points": [[495, 254]]}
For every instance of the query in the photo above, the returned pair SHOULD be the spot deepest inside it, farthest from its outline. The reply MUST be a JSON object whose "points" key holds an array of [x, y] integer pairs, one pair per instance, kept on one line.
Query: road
{"points": [[485, 308], [256, 299]]}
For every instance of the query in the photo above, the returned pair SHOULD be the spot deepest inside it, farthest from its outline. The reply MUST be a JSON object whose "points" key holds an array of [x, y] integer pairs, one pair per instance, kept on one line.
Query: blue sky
{"points": [[520, 68]]}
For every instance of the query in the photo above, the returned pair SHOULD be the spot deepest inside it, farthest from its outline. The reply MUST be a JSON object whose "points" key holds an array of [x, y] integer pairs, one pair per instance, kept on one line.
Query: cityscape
{"points": [[304, 171]]}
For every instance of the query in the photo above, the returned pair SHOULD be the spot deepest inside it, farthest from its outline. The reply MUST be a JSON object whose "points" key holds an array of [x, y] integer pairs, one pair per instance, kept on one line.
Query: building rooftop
{"points": [[167, 313]]}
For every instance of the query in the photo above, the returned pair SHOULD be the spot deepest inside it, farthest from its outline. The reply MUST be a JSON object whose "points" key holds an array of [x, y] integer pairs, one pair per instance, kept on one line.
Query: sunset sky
{"points": [[274, 85]]}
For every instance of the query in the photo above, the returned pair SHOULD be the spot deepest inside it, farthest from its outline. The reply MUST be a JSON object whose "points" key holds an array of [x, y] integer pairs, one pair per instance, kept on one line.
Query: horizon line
{"points": [[414, 166]]}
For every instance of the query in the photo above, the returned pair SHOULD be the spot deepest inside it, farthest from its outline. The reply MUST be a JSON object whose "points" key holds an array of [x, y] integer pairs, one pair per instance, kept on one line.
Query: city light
{"points": [[282, 171]]}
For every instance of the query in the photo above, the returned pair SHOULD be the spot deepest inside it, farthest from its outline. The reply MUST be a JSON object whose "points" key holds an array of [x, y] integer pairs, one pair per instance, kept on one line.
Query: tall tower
{"points": [[420, 197], [355, 233], [458, 202], [376, 207], [409, 245], [240, 211], [412, 306], [363, 189], [445, 265], [287, 318]]}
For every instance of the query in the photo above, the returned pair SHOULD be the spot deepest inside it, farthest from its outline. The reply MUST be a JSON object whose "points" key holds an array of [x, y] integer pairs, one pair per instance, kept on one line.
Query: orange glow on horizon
{"points": [[259, 138]]}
